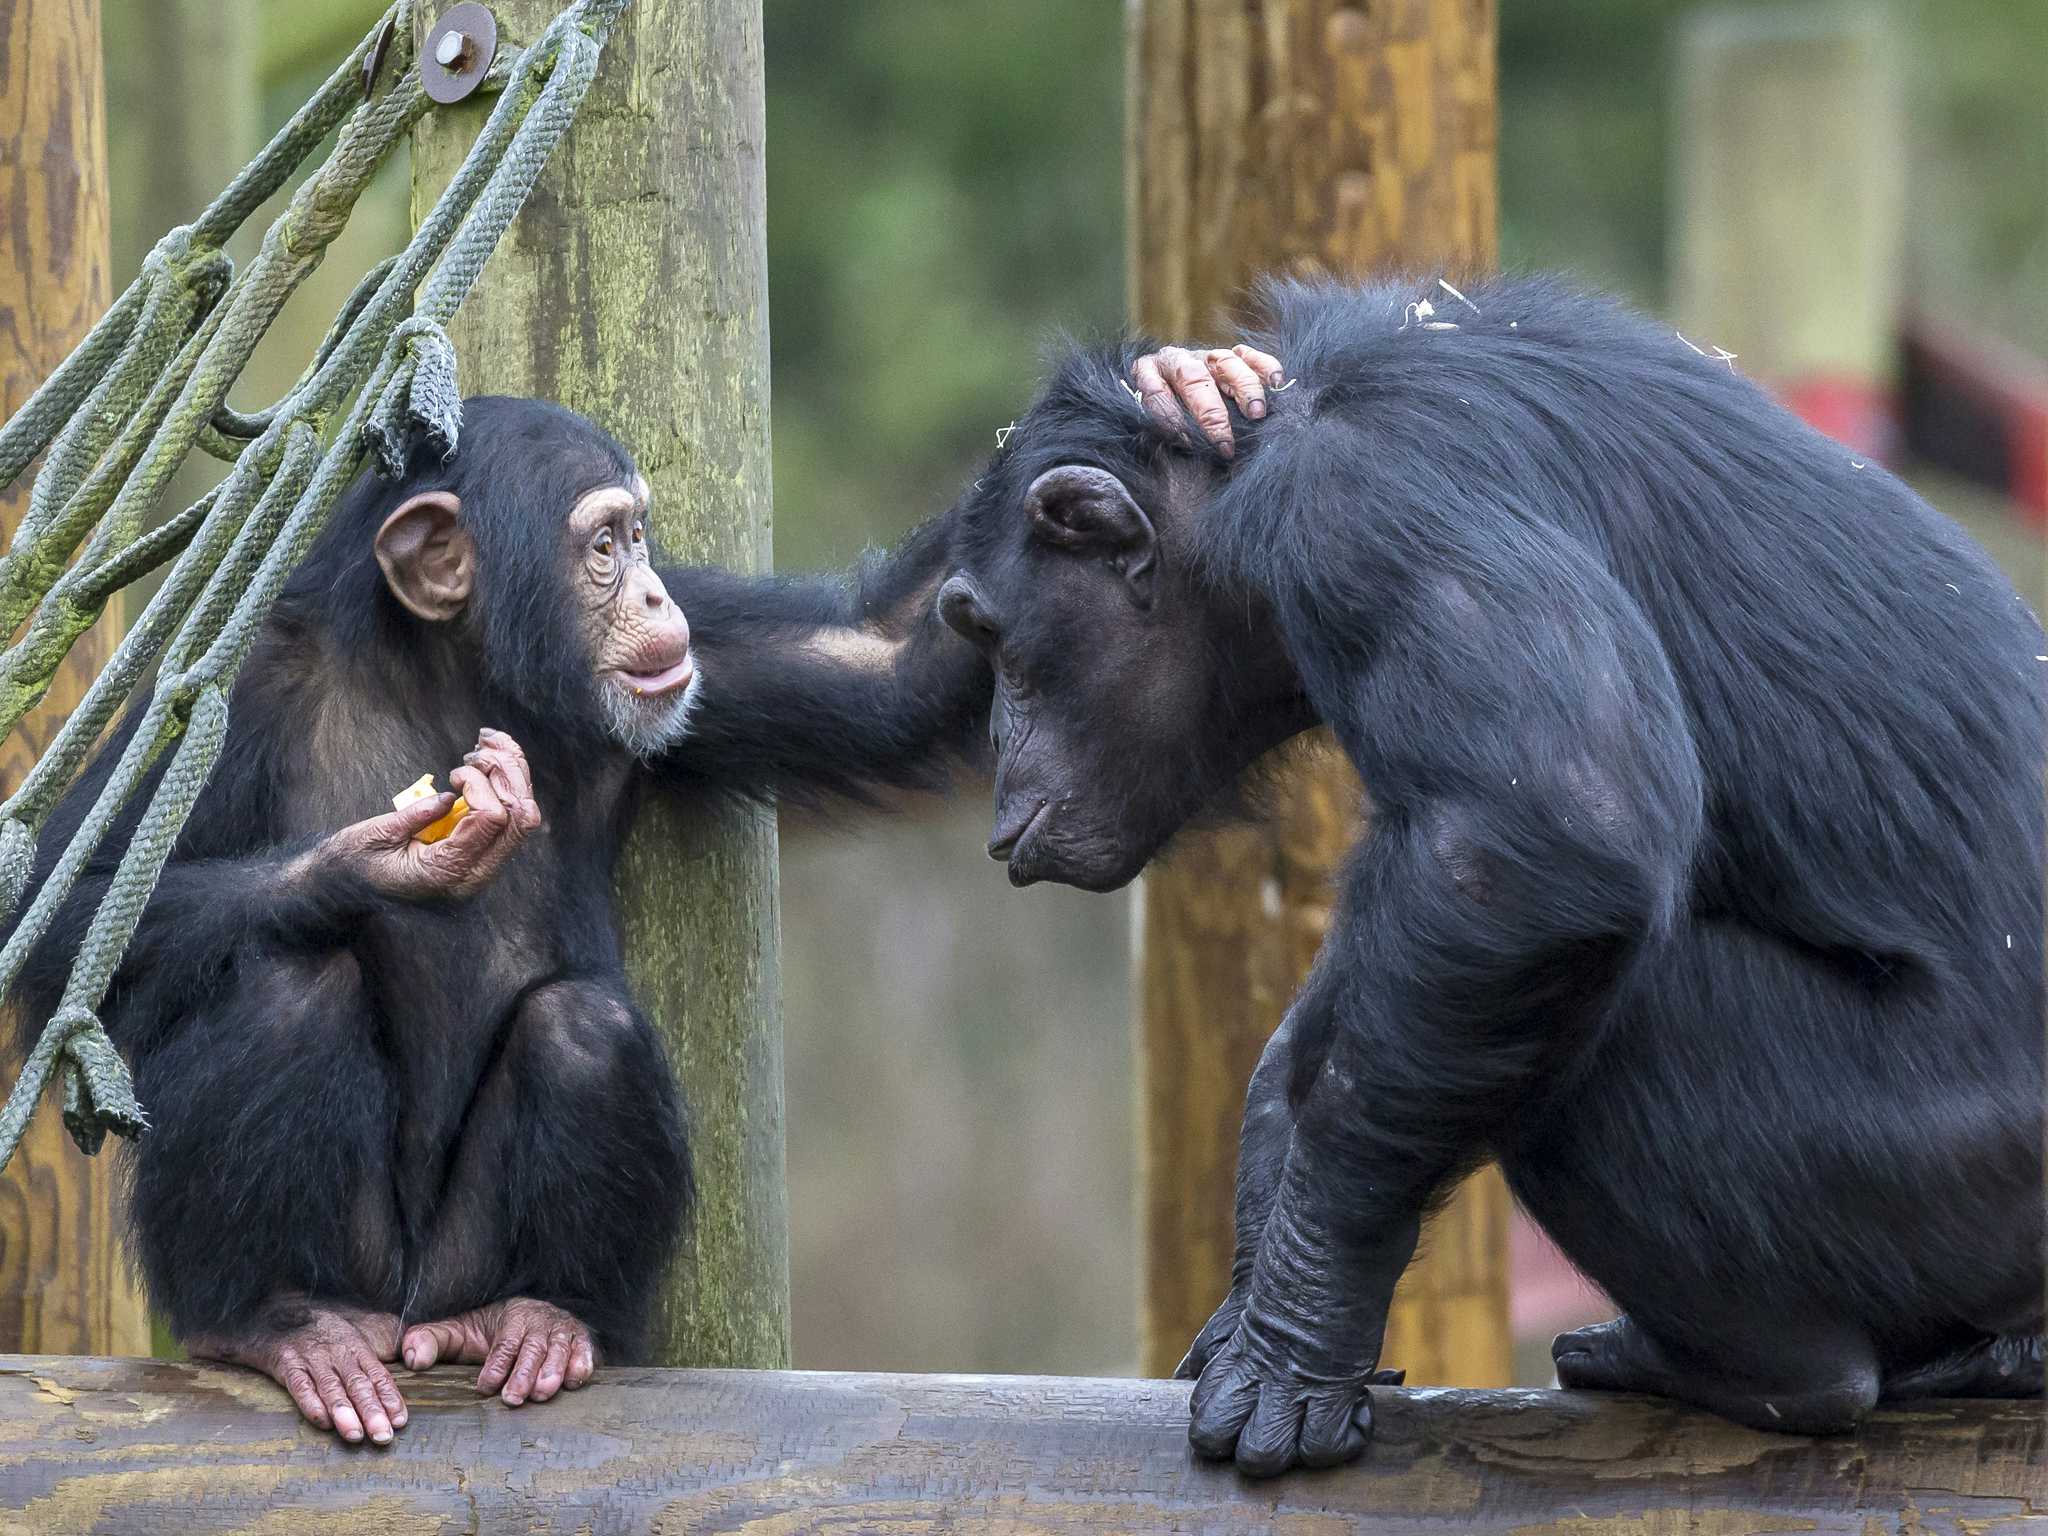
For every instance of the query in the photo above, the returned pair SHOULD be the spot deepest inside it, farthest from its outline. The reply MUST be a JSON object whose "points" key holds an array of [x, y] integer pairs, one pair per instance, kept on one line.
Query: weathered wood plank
{"points": [[118, 1446]]}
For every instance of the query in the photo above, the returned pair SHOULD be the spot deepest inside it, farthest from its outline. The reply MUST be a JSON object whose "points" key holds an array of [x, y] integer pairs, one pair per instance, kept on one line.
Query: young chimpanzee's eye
{"points": [[639, 533], [603, 543]]}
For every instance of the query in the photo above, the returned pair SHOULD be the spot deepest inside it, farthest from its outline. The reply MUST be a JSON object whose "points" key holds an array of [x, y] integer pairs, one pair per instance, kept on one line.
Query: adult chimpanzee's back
{"points": [[1703, 882]]}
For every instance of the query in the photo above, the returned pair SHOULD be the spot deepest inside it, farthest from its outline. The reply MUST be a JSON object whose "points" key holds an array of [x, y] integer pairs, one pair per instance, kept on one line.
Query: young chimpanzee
{"points": [[401, 1100], [1702, 885]]}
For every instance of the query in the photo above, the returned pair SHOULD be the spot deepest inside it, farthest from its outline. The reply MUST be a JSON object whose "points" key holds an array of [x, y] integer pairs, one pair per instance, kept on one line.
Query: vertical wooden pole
{"points": [[65, 1285], [1277, 135], [1793, 262], [183, 78], [634, 289]]}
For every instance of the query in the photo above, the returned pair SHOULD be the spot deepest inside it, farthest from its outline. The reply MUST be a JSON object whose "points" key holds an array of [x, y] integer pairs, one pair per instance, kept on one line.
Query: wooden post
{"points": [[1278, 135], [183, 80], [1793, 262], [64, 1279], [634, 289]]}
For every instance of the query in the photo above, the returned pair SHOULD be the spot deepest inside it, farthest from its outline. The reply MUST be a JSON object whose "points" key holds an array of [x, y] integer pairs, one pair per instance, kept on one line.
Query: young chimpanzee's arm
{"points": [[301, 897], [828, 686], [201, 915]]}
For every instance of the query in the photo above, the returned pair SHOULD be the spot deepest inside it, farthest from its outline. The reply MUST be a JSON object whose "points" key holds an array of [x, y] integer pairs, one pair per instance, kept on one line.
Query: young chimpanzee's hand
{"points": [[529, 1349], [330, 1358], [1174, 379], [494, 780]]}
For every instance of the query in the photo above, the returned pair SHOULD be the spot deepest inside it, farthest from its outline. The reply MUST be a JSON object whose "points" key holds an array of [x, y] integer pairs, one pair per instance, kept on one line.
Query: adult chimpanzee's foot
{"points": [[529, 1350], [1610, 1357], [330, 1358], [2007, 1365], [1820, 1382]]}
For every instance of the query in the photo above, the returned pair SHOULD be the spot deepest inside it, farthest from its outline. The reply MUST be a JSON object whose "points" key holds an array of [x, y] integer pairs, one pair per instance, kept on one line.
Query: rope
{"points": [[118, 417]]}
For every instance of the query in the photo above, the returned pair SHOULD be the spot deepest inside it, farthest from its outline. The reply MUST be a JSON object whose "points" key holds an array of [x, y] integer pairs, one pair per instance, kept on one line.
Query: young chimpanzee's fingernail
{"points": [[1256, 409], [1277, 378]]}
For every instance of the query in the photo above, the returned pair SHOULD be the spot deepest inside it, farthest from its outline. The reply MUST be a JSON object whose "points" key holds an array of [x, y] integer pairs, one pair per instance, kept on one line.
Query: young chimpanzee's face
{"points": [[599, 594], [638, 639], [1130, 691]]}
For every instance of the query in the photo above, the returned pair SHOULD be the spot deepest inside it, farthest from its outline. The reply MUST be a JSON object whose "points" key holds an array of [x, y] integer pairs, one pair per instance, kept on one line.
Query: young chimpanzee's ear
{"points": [[428, 558], [1087, 510]]}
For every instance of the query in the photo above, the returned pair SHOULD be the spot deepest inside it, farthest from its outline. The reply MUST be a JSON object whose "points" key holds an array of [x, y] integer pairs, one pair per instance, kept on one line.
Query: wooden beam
{"points": [[634, 288], [127, 1446], [1279, 135], [64, 1284]]}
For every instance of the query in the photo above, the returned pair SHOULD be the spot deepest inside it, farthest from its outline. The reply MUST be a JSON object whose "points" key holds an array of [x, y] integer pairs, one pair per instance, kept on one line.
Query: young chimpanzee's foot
{"points": [[529, 1350], [2005, 1365], [1818, 1384], [330, 1358]]}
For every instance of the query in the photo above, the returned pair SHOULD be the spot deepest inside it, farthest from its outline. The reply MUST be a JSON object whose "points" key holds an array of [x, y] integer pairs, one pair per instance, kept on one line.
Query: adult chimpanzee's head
{"points": [[528, 551], [1132, 687]]}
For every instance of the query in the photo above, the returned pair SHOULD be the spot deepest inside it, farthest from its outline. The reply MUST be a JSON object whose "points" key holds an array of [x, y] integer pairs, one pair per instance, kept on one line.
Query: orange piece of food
{"points": [[420, 789]]}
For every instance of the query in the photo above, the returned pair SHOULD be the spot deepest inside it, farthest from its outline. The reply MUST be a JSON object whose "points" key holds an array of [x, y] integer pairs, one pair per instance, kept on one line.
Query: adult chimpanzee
{"points": [[1703, 879], [401, 1100]]}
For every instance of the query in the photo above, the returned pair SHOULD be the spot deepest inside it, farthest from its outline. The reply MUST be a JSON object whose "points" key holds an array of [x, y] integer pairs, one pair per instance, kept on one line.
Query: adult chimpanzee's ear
{"points": [[1087, 510], [428, 558]]}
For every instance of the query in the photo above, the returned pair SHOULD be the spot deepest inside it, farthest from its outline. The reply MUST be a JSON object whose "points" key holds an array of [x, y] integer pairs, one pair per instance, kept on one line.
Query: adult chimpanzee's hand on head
{"points": [[494, 780], [1174, 380], [529, 1349]]}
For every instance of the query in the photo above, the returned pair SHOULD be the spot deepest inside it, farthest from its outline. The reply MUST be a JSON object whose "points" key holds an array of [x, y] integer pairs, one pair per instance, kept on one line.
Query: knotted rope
{"points": [[127, 407]]}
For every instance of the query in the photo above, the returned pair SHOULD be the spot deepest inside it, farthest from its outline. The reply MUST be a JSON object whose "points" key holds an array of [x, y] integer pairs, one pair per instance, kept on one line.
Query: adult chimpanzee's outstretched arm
{"points": [[828, 685], [1536, 805]]}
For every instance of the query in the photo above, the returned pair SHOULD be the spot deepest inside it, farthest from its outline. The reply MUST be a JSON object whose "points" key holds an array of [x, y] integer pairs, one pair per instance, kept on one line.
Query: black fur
{"points": [[420, 1108], [1703, 885]]}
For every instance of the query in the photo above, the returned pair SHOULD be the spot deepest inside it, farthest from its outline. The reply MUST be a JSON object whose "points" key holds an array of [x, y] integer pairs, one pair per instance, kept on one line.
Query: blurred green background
{"points": [[945, 191]]}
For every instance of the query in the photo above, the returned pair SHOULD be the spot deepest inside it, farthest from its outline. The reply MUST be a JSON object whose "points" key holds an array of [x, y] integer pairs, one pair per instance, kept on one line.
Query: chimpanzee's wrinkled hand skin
{"points": [[498, 786], [1174, 380], [1288, 1386]]}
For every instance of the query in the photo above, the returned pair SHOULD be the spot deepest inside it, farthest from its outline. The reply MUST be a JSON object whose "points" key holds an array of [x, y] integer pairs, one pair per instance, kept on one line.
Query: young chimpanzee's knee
{"points": [[598, 1167], [265, 1170]]}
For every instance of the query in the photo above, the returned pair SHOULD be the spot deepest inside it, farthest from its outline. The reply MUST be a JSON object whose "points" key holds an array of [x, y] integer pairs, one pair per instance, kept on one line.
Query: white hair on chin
{"points": [[644, 731]]}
